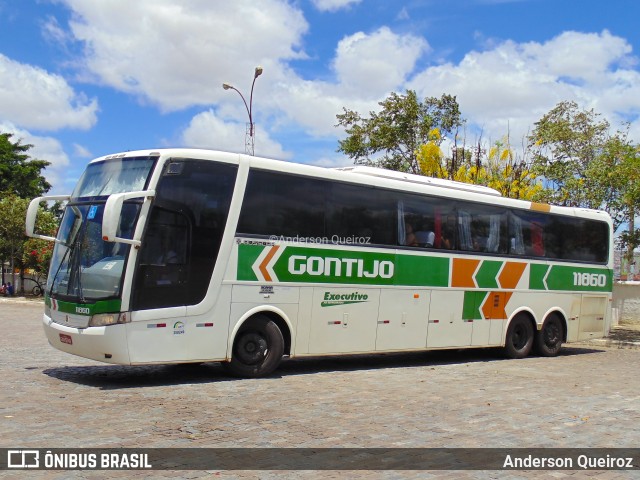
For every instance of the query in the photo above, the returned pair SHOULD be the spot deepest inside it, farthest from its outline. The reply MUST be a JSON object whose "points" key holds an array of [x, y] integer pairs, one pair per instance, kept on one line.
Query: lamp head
{"points": [[258, 72], [226, 86]]}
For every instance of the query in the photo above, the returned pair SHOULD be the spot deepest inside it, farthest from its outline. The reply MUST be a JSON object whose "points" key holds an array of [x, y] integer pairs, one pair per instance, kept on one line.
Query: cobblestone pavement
{"points": [[589, 396]]}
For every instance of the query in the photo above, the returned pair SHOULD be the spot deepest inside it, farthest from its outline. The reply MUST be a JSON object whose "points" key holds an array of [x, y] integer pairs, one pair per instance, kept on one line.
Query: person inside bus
{"points": [[410, 237], [447, 237], [425, 236]]}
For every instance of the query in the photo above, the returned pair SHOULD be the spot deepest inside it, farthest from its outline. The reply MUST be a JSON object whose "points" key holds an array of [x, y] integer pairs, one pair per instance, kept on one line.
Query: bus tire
{"points": [[257, 348], [520, 335], [549, 338]]}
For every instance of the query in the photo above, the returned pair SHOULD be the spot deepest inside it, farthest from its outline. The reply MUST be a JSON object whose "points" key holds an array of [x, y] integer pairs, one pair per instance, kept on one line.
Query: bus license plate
{"points": [[64, 338]]}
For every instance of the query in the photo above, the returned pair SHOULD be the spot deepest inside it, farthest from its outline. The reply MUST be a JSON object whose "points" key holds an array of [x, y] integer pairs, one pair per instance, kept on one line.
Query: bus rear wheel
{"points": [[519, 339], [549, 338], [257, 348]]}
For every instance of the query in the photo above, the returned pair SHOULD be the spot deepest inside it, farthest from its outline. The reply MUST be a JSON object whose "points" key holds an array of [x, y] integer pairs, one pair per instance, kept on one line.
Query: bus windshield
{"points": [[116, 175], [83, 266]]}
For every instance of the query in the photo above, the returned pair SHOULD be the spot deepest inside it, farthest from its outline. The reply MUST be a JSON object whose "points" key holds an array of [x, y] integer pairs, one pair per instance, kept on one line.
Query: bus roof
{"points": [[412, 178], [370, 175]]}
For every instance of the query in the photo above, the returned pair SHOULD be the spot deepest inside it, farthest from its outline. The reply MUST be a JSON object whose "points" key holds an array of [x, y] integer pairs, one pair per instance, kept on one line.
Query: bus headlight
{"points": [[104, 319]]}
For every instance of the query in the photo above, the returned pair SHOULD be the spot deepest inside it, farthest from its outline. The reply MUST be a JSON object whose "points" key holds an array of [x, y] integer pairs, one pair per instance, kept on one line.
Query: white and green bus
{"points": [[183, 255]]}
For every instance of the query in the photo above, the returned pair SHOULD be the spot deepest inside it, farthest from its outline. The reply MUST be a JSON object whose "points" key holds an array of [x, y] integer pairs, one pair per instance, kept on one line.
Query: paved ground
{"points": [[589, 396]]}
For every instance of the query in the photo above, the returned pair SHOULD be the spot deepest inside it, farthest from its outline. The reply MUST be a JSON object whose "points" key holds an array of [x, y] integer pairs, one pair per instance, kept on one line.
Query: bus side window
{"points": [[527, 232], [417, 222], [516, 237]]}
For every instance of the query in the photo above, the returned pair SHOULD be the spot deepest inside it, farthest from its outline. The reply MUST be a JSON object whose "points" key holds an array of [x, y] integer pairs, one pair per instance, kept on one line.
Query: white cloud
{"points": [[333, 5], [33, 98], [44, 148], [206, 130], [377, 63], [178, 54], [367, 66], [511, 86]]}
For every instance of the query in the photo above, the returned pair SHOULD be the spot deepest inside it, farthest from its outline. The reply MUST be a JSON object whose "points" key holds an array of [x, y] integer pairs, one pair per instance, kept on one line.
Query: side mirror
{"points": [[32, 212], [113, 212]]}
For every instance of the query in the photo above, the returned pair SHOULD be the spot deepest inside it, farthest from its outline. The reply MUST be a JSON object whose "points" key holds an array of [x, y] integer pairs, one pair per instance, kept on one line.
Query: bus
{"points": [[191, 256]]}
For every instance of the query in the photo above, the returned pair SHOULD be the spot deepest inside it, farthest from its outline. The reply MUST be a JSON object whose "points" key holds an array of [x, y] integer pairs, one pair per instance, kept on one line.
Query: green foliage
{"points": [[406, 135], [390, 138], [21, 180], [613, 176], [565, 143], [20, 250], [586, 165], [500, 169], [13, 210], [36, 253], [19, 174]]}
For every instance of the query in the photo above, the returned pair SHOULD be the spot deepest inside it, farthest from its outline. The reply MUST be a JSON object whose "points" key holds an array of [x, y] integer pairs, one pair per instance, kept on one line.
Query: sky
{"points": [[84, 78]]}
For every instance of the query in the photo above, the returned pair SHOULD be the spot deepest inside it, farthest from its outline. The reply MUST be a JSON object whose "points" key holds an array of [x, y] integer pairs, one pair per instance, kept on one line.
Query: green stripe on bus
{"points": [[537, 272], [320, 265], [487, 273], [473, 301], [415, 270], [570, 278], [304, 264], [100, 306], [247, 255], [580, 279]]}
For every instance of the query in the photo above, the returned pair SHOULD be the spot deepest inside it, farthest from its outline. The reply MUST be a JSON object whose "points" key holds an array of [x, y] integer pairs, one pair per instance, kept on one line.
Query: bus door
{"points": [[175, 264], [592, 316]]}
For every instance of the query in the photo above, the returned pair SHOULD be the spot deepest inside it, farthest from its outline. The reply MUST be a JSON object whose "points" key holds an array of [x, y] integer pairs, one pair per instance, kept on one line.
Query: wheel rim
{"points": [[520, 337], [551, 334], [252, 348]]}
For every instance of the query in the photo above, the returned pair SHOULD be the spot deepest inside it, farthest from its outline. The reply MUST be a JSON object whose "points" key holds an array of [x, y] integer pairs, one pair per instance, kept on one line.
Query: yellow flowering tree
{"points": [[500, 168], [431, 158]]}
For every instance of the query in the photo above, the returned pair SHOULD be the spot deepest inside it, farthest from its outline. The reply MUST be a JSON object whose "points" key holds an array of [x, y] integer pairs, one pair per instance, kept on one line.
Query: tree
{"points": [[565, 143], [510, 173], [497, 167], [12, 235], [15, 246], [20, 178], [396, 132], [589, 166], [617, 172], [19, 174], [585, 164]]}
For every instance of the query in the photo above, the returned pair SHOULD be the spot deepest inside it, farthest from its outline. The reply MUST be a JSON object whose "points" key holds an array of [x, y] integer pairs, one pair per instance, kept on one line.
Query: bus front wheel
{"points": [[519, 339], [549, 338], [257, 349]]}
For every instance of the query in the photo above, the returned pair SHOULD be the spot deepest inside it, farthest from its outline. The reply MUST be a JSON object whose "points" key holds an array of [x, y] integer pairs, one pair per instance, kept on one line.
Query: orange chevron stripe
{"points": [[462, 272], [495, 304], [511, 274], [265, 262]]}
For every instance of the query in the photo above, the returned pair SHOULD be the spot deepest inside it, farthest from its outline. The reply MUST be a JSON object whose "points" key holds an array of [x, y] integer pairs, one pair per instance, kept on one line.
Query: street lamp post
{"points": [[249, 143]]}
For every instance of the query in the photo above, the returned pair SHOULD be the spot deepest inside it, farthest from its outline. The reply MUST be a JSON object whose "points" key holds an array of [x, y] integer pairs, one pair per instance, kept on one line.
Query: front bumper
{"points": [[104, 344]]}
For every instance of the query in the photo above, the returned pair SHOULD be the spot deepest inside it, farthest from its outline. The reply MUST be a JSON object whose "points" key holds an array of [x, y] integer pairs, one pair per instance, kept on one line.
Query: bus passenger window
{"points": [[527, 232], [416, 221]]}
